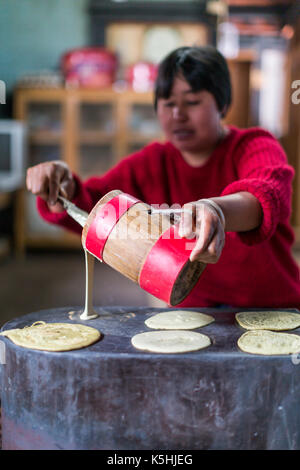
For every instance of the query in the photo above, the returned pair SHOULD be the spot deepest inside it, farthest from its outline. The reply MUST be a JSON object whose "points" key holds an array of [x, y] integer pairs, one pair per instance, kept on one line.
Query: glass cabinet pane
{"points": [[43, 153], [45, 117], [143, 120], [96, 116], [95, 159]]}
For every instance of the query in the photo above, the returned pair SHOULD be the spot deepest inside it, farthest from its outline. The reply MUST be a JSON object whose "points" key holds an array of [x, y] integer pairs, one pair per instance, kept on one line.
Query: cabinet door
{"points": [[143, 122], [45, 117], [45, 122], [239, 111], [45, 131], [96, 146], [40, 153], [138, 124], [95, 159]]}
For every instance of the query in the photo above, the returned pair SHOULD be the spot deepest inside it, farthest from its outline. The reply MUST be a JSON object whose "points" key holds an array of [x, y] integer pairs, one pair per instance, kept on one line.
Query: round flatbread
{"points": [[177, 341], [53, 336], [268, 320], [269, 343], [178, 320]]}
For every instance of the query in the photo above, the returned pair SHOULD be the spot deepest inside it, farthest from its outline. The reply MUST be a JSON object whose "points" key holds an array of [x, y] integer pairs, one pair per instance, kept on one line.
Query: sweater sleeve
{"points": [[123, 176], [263, 171]]}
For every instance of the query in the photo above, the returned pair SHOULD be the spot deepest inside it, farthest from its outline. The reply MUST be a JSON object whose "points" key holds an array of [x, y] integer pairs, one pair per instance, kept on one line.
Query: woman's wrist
{"points": [[242, 211], [216, 207]]}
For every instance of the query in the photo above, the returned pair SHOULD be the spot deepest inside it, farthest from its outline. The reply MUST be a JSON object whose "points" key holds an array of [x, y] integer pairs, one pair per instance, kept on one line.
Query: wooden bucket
{"points": [[144, 247]]}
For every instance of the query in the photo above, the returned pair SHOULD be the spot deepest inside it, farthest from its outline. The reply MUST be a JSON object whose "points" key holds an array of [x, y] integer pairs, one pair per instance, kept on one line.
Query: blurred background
{"points": [[76, 81]]}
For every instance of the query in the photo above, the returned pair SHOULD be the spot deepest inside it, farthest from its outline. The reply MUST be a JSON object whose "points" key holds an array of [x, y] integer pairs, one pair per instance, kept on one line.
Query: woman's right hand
{"points": [[50, 179]]}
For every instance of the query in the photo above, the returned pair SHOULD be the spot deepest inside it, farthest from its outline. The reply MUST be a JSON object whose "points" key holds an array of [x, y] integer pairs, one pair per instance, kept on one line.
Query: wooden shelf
{"points": [[45, 138], [138, 137], [95, 137]]}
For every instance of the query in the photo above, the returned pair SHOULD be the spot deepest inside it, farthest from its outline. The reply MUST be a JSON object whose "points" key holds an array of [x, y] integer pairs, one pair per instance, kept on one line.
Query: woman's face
{"points": [[190, 120]]}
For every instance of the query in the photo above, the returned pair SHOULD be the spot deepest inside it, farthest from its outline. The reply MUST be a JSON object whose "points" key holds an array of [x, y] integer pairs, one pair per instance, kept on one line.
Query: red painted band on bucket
{"points": [[164, 262], [106, 218]]}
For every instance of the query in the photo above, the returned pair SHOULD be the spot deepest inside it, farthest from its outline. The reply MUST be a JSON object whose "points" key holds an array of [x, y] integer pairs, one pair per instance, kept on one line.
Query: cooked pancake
{"points": [[268, 320], [53, 336], [269, 343]]}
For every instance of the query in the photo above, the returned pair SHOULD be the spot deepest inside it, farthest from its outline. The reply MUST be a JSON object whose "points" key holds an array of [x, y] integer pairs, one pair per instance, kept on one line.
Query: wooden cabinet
{"points": [[240, 73], [91, 130]]}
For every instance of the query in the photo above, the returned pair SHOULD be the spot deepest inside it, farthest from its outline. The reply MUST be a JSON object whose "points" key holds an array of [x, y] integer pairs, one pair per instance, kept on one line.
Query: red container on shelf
{"points": [[93, 67], [141, 76]]}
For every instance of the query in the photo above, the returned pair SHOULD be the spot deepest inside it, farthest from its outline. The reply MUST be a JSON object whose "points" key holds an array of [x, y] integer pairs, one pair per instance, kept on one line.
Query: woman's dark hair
{"points": [[204, 68]]}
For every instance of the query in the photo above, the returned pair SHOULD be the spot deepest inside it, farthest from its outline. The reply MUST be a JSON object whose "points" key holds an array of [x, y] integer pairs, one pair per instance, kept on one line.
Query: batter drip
{"points": [[89, 312]]}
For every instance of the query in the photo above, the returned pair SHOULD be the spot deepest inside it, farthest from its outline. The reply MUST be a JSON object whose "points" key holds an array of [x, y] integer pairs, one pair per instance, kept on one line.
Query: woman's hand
{"points": [[50, 179], [204, 221]]}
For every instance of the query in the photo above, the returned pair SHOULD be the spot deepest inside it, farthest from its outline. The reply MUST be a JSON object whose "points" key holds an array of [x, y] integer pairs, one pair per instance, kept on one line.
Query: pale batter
{"points": [[89, 312], [179, 320], [170, 341]]}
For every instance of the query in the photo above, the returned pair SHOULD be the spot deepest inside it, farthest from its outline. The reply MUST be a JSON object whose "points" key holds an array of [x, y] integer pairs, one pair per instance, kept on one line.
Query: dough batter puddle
{"points": [[179, 320], [173, 341]]}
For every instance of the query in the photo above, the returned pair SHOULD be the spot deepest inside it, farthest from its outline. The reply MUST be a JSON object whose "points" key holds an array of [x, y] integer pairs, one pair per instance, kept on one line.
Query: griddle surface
{"points": [[119, 324]]}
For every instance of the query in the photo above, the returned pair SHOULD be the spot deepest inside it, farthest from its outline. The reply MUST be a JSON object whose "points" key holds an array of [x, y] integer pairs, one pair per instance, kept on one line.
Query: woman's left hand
{"points": [[203, 221]]}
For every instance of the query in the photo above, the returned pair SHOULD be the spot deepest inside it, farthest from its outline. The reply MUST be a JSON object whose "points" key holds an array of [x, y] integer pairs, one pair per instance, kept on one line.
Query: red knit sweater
{"points": [[256, 268]]}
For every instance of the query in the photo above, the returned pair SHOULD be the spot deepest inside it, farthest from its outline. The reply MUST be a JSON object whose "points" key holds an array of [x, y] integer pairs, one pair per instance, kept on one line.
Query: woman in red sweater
{"points": [[242, 227]]}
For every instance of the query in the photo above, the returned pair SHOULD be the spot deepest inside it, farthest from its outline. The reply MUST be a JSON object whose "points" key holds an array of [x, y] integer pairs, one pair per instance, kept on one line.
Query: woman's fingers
{"points": [[49, 179], [63, 191], [209, 249], [202, 221], [37, 182], [187, 221], [54, 183], [205, 235]]}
